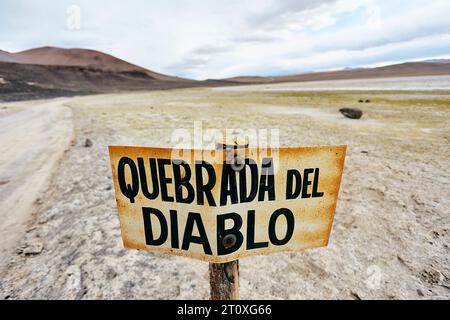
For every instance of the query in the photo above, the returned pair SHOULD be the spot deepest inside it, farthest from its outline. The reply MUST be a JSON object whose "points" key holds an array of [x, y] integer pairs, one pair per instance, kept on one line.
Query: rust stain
{"points": [[313, 216]]}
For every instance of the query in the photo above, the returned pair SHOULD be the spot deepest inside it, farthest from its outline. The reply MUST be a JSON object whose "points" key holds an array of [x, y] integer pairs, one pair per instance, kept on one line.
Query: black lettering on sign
{"points": [[253, 167], [143, 177], [267, 180], [315, 193], [129, 190], [293, 188], [202, 188], [149, 239], [251, 244], [195, 218], [222, 232], [306, 182], [289, 226], [182, 182], [243, 186], [164, 181], [174, 230], [228, 187]]}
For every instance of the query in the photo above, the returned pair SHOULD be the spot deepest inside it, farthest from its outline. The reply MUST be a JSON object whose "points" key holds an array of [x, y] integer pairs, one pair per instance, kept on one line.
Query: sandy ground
{"points": [[32, 140], [391, 234]]}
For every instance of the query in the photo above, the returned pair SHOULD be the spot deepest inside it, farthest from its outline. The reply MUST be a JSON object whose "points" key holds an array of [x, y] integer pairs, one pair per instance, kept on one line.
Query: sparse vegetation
{"points": [[392, 206]]}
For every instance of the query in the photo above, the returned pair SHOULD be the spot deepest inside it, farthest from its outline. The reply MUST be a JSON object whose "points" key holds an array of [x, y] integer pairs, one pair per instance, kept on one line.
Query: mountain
{"points": [[7, 57], [80, 58], [408, 69], [438, 60], [50, 72]]}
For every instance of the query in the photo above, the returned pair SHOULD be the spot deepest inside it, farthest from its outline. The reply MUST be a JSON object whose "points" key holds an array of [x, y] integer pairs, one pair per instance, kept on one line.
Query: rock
{"points": [[88, 143], [445, 286], [43, 220], [110, 274], [360, 100], [31, 229], [367, 101], [355, 295], [32, 249], [74, 282], [420, 293], [351, 113], [432, 276], [19, 250]]}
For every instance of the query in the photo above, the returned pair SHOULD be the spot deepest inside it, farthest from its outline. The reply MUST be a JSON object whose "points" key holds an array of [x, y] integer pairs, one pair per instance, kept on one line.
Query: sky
{"points": [[203, 39]]}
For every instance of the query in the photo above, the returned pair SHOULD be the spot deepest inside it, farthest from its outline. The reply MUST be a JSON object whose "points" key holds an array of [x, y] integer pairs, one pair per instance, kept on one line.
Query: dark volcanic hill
{"points": [[52, 72], [20, 81]]}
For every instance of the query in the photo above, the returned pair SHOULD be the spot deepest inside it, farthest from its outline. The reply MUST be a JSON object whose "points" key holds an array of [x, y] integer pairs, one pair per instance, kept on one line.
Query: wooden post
{"points": [[224, 277], [224, 280]]}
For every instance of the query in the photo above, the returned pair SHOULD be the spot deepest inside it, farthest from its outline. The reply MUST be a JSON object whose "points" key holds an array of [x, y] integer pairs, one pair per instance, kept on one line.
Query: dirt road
{"points": [[32, 142]]}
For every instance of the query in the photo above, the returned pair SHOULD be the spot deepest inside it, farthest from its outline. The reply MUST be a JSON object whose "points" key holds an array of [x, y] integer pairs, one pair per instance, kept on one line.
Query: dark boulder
{"points": [[88, 143], [351, 113]]}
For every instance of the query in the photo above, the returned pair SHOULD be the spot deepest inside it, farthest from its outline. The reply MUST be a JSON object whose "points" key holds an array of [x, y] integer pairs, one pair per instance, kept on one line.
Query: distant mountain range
{"points": [[50, 72], [438, 60], [408, 69]]}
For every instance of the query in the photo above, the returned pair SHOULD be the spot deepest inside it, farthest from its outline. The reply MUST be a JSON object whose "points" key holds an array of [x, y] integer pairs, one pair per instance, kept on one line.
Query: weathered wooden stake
{"points": [[224, 280], [224, 277]]}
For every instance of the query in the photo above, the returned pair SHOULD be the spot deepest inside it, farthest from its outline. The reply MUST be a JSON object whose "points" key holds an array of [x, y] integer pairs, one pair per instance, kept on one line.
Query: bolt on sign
{"points": [[217, 207]]}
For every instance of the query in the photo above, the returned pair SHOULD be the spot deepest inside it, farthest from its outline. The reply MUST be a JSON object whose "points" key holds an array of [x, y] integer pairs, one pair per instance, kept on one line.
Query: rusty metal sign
{"points": [[218, 207]]}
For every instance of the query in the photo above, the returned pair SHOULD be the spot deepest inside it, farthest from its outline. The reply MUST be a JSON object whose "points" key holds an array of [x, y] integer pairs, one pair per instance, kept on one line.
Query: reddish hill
{"points": [[52, 72], [80, 58]]}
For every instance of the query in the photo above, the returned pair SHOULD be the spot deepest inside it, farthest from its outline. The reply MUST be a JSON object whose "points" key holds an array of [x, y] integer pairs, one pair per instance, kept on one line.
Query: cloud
{"points": [[209, 50], [204, 39], [189, 65], [275, 13], [256, 37]]}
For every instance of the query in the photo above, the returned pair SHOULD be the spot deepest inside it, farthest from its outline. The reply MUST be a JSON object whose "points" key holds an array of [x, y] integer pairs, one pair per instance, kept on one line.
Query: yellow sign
{"points": [[216, 206]]}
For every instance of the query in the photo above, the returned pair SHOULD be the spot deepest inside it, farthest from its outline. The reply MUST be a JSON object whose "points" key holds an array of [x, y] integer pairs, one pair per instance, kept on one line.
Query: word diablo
{"points": [[217, 211]]}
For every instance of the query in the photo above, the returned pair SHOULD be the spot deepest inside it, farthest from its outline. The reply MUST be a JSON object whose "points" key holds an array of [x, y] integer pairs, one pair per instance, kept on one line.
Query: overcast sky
{"points": [[215, 39]]}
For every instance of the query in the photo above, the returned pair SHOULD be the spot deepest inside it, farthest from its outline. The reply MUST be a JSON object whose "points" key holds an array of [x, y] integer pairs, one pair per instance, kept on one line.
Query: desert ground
{"points": [[390, 238]]}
